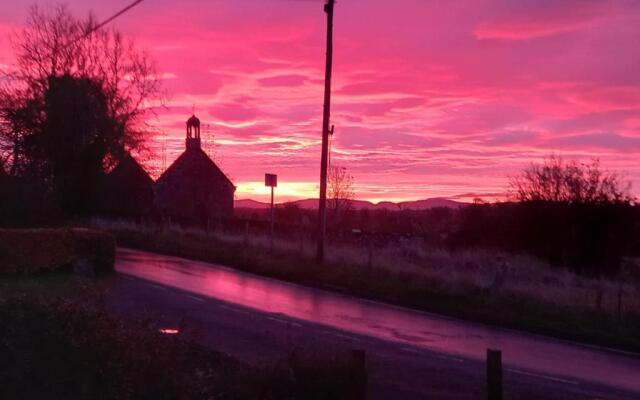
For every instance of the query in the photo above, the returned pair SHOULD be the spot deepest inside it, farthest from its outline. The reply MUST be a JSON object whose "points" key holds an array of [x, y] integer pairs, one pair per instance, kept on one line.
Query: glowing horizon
{"points": [[429, 99]]}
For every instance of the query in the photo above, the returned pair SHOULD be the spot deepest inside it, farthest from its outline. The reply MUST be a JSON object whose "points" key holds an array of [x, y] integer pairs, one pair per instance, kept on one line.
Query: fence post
{"points": [[494, 374], [359, 359]]}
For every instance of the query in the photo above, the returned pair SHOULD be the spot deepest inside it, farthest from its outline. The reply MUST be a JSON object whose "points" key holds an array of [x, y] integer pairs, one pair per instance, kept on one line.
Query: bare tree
{"points": [[569, 182], [54, 43], [74, 104], [341, 193]]}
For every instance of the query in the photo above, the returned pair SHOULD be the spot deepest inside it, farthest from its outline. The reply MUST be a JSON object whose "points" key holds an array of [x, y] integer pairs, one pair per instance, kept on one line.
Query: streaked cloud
{"points": [[430, 98]]}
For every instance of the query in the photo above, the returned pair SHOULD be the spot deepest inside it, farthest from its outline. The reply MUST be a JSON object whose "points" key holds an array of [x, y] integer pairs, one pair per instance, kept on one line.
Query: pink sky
{"points": [[430, 98]]}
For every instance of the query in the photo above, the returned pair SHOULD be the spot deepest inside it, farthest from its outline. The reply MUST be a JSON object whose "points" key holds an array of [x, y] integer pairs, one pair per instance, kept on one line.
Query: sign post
{"points": [[271, 180]]}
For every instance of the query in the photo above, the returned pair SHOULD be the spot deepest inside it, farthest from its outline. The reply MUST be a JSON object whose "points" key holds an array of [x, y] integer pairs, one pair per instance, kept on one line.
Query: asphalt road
{"points": [[410, 355]]}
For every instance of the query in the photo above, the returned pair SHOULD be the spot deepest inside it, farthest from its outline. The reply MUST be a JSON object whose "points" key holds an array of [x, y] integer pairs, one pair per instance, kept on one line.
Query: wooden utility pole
{"points": [[322, 204]]}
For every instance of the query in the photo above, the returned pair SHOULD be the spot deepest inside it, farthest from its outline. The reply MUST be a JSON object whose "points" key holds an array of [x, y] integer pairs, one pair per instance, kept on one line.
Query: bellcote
{"points": [[193, 133]]}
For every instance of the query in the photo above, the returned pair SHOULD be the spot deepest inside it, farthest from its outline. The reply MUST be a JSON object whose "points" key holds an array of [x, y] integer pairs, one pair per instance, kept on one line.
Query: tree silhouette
{"points": [[340, 185], [74, 104], [569, 182]]}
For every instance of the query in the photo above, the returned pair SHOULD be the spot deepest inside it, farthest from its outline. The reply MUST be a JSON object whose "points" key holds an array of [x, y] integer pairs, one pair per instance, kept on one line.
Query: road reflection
{"points": [[450, 336]]}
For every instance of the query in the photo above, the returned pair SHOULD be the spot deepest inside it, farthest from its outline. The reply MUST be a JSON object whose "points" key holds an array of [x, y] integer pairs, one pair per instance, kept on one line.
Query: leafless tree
{"points": [[570, 182], [341, 193], [55, 43]]}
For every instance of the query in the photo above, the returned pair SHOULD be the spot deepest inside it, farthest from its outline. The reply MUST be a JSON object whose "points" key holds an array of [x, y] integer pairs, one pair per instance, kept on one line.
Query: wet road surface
{"points": [[410, 353]]}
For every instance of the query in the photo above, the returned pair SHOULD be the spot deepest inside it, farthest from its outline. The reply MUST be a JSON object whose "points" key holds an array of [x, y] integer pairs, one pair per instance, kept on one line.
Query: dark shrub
{"points": [[95, 248], [589, 238], [25, 251], [25, 202]]}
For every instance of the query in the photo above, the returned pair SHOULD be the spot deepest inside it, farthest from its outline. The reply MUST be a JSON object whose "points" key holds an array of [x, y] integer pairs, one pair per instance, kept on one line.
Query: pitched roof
{"points": [[194, 162], [131, 172]]}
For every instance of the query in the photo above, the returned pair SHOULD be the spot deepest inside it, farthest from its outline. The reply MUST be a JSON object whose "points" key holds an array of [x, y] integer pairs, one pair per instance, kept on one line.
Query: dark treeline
{"points": [[589, 238], [69, 112], [571, 214]]}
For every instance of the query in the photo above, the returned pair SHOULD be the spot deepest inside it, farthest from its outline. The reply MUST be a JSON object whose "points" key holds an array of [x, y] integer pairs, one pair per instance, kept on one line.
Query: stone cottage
{"points": [[193, 188]]}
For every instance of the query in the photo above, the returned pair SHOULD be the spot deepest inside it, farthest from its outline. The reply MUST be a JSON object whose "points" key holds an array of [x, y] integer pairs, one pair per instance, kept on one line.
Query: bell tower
{"points": [[193, 133]]}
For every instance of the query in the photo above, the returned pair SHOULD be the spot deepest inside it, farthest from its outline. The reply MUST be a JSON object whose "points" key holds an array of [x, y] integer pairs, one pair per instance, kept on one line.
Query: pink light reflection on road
{"points": [[436, 333]]}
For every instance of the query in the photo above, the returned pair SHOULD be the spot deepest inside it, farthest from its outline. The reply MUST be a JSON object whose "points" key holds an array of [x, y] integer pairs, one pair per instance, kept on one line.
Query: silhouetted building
{"points": [[193, 188], [127, 190]]}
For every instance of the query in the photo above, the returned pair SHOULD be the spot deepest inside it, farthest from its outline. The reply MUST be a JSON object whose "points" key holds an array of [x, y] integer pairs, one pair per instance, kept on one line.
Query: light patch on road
{"points": [[547, 377], [196, 298], [456, 359], [236, 310], [157, 286], [429, 354], [342, 336], [282, 321], [410, 350]]}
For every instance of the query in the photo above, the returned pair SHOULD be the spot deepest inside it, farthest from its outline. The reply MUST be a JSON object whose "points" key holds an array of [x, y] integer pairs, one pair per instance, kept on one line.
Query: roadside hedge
{"points": [[95, 249], [28, 251]]}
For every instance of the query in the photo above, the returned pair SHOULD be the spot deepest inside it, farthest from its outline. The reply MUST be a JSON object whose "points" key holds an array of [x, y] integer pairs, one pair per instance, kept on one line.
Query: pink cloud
{"points": [[284, 80], [439, 98], [528, 19]]}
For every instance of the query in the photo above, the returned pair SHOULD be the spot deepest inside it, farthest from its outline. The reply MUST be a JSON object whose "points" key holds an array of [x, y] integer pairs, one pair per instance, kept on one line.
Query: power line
{"points": [[114, 16], [105, 22]]}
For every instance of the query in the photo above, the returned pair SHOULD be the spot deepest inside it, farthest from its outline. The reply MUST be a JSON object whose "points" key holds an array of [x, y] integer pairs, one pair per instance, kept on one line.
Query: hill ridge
{"points": [[424, 204]]}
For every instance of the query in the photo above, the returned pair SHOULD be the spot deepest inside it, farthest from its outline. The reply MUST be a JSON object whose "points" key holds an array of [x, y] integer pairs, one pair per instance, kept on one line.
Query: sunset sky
{"points": [[430, 98]]}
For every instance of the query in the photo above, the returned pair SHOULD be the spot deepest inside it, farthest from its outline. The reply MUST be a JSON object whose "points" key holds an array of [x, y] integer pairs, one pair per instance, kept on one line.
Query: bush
{"points": [[95, 248], [26, 202], [589, 238], [27, 251], [35, 250]]}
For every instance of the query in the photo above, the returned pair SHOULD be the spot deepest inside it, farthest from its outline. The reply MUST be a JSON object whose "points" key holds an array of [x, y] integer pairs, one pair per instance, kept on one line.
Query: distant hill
{"points": [[362, 204], [248, 203], [430, 203]]}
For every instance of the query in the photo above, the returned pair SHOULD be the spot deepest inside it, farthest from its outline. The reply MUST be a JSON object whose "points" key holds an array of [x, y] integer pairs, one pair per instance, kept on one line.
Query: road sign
{"points": [[271, 180]]}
